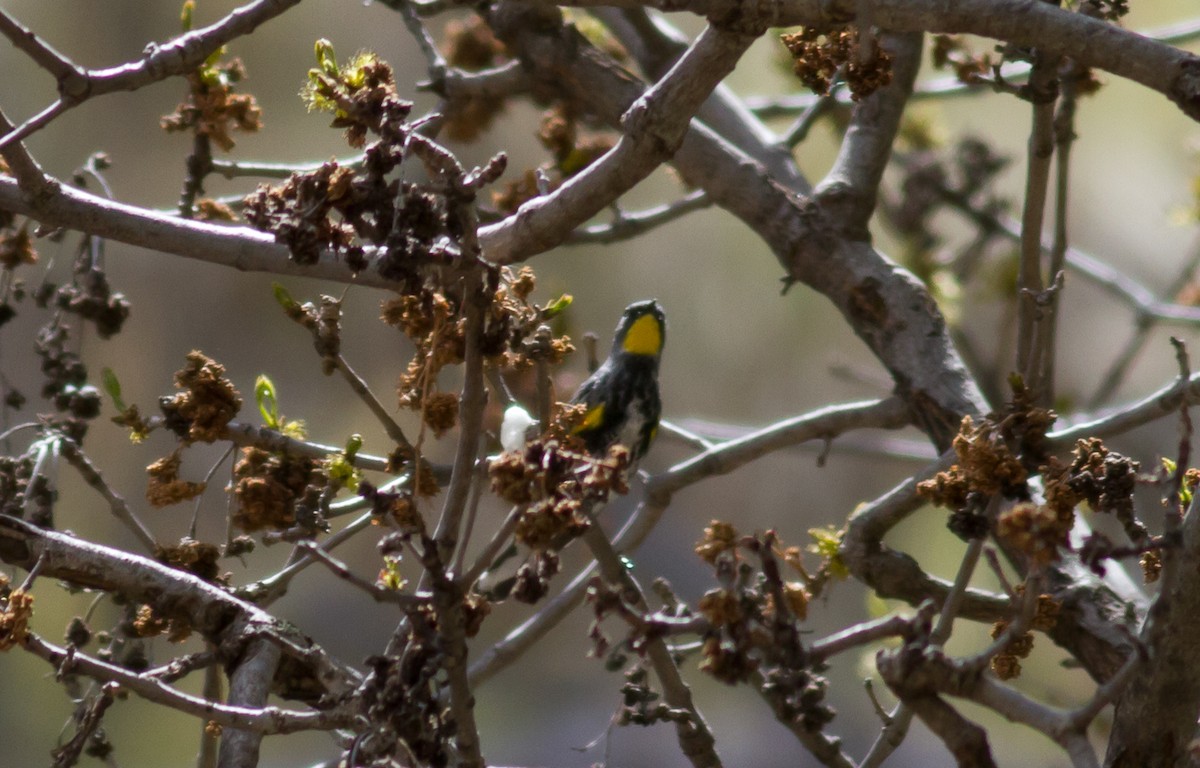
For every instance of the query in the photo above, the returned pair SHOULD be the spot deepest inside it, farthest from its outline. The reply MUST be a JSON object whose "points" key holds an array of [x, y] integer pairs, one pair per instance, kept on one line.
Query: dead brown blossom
{"points": [[212, 108], [15, 613], [572, 148], [986, 466], [1045, 615], [718, 538], [1151, 565], [16, 247], [402, 460], [1034, 530], [267, 487], [720, 607], [209, 400], [196, 557], [298, 213], [164, 486], [951, 51], [559, 485], [818, 54], [147, 623], [1105, 480], [1006, 663], [510, 195]]}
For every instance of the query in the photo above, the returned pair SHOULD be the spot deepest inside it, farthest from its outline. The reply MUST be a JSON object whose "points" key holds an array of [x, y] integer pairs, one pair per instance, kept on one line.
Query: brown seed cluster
{"points": [[1006, 664], [298, 212], [952, 52], [1034, 530], [207, 404], [436, 327], [268, 487], [16, 246], [986, 466], [16, 609], [165, 487], [819, 53], [345, 209], [514, 337], [212, 108], [147, 623], [755, 616], [557, 486], [196, 557]]}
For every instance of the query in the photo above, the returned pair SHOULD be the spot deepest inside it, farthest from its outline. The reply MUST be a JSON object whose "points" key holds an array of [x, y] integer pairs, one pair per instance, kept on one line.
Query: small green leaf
{"points": [[326, 59], [185, 15], [113, 388], [353, 445], [214, 58], [268, 404], [284, 298], [1168, 465], [557, 306]]}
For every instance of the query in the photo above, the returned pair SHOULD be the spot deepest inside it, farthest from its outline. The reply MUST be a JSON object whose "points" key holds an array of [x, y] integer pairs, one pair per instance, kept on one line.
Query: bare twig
{"points": [[695, 737], [359, 385], [655, 126], [625, 226], [1043, 90], [177, 57], [259, 720], [120, 509], [374, 591]]}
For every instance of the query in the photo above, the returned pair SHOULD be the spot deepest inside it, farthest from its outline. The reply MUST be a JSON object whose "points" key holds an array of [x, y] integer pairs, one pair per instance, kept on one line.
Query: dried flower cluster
{"points": [[212, 108], [207, 403], [276, 492], [820, 55], [16, 609], [165, 487]]}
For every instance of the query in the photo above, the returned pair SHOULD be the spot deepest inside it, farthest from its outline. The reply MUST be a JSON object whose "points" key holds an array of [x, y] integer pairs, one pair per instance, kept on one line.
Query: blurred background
{"points": [[738, 353]]}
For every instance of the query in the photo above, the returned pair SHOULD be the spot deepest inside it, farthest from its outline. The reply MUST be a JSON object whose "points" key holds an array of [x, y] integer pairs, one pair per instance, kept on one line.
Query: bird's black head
{"points": [[642, 330]]}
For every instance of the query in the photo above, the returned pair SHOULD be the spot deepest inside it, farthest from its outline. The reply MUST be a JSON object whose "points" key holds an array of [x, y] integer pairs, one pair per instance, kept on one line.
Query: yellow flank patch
{"points": [[644, 336], [591, 420]]}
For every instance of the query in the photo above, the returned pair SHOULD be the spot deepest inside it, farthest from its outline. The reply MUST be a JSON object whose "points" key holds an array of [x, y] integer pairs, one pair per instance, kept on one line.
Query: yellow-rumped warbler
{"points": [[622, 399]]}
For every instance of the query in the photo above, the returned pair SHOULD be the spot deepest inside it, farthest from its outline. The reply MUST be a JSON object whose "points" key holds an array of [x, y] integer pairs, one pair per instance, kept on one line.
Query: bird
{"points": [[622, 398]]}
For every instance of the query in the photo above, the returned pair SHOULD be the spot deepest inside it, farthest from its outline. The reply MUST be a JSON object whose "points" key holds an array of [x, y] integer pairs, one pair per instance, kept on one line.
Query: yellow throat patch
{"points": [[644, 337]]}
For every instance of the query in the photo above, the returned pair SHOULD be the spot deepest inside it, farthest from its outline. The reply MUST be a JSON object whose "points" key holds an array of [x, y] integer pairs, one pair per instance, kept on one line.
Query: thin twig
{"points": [[625, 226], [376, 593], [120, 509], [259, 720], [177, 57], [868, 632], [1030, 283], [359, 385], [695, 737]]}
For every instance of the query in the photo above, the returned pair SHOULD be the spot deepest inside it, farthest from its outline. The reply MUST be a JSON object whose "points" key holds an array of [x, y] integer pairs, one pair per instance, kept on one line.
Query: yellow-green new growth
{"points": [[327, 79]]}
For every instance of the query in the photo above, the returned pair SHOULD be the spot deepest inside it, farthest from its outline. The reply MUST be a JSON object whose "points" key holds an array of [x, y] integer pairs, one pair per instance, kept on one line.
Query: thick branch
{"points": [[654, 125], [173, 594]]}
